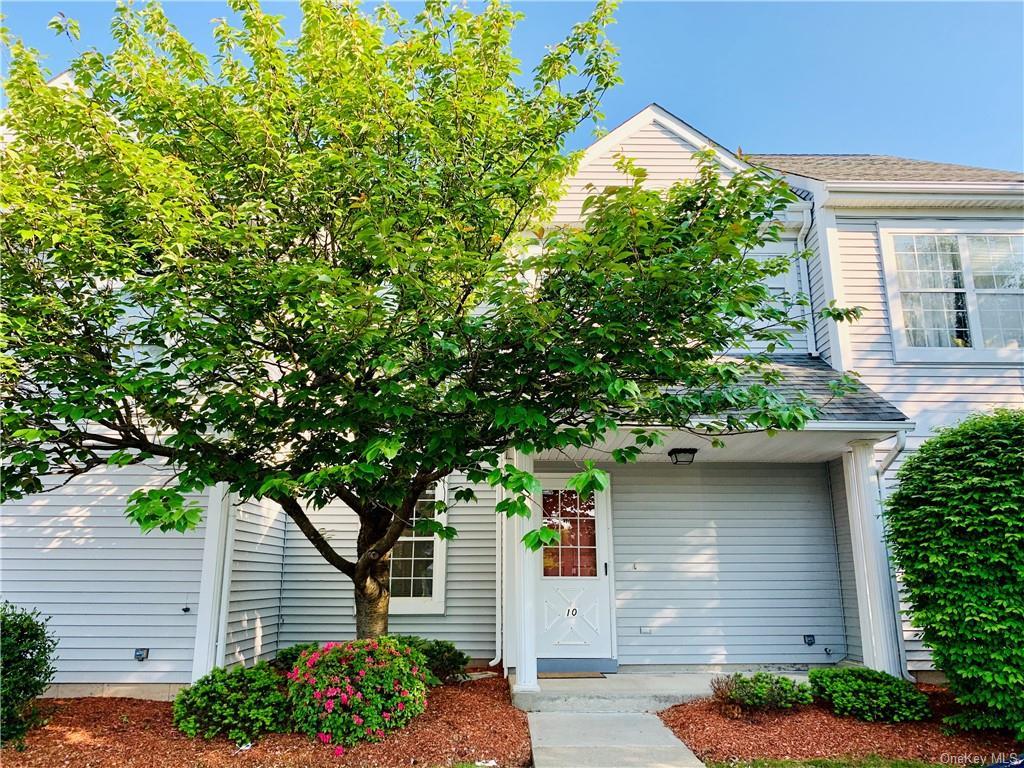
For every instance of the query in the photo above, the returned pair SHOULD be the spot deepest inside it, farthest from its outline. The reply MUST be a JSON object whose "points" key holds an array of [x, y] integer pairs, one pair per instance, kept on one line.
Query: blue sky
{"points": [[935, 81]]}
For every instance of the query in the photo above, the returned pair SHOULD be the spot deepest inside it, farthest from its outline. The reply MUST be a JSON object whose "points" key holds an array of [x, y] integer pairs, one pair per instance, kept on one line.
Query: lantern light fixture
{"points": [[682, 455]]}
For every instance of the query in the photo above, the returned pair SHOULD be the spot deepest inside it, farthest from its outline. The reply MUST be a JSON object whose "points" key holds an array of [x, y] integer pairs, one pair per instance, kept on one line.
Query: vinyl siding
{"points": [[817, 293], [725, 564], [666, 157], [254, 603], [108, 588], [930, 395], [847, 576], [318, 603]]}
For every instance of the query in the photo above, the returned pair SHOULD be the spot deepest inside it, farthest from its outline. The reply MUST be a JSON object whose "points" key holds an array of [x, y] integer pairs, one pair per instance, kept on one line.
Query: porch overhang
{"points": [[818, 441]]}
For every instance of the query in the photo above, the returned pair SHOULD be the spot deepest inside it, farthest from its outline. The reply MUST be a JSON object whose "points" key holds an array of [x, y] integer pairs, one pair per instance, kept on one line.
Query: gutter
{"points": [[801, 244], [499, 607], [894, 589]]}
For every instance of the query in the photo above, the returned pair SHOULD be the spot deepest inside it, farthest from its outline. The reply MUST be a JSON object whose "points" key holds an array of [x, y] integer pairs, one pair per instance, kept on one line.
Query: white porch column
{"points": [[879, 624], [527, 567], [208, 651]]}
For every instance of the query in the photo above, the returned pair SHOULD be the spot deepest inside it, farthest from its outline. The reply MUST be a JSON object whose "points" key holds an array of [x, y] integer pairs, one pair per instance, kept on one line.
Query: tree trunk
{"points": [[372, 611]]}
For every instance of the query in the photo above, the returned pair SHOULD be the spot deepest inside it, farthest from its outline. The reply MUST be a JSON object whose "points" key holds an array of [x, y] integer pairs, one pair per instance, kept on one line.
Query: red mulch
{"points": [[814, 732], [463, 723]]}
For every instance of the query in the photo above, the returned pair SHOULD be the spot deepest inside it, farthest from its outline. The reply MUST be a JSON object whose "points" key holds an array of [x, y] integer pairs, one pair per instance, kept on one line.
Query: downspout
{"points": [[499, 608], [894, 590], [801, 244]]}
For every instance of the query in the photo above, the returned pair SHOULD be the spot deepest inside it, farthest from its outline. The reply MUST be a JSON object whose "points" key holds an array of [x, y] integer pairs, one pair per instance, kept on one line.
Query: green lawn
{"points": [[862, 762]]}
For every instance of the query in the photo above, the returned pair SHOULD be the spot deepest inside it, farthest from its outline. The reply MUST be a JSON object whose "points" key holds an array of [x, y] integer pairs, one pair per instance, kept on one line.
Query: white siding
{"points": [[254, 603], [930, 395], [666, 157], [108, 588], [844, 545], [817, 294], [725, 564], [318, 603]]}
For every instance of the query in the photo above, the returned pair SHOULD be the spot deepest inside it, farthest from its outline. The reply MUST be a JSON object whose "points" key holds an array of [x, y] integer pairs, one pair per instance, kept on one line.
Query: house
{"points": [[768, 551]]}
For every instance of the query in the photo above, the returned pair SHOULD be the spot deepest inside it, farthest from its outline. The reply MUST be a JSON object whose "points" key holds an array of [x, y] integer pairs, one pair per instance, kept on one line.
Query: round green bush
{"points": [[956, 529], [355, 691], [241, 703], [287, 658], [26, 668], [760, 692], [868, 694], [445, 662]]}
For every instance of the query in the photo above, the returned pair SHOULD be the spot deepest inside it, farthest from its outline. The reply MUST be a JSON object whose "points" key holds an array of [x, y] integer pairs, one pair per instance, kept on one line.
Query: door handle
{"points": [[606, 569]]}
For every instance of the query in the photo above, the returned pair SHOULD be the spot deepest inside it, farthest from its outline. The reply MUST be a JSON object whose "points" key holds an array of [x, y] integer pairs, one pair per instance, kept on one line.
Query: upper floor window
{"points": [[955, 294], [418, 562]]}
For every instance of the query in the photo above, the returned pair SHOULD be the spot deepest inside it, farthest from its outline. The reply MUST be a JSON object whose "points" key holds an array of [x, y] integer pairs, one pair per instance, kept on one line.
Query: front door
{"points": [[575, 604]]}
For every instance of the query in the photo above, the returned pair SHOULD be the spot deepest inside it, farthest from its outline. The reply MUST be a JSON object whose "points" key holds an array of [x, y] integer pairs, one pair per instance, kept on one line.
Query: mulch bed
{"points": [[814, 732], [464, 723]]}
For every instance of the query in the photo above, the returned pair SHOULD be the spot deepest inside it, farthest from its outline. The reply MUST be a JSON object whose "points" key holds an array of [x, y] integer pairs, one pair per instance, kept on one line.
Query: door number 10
{"points": [[570, 611]]}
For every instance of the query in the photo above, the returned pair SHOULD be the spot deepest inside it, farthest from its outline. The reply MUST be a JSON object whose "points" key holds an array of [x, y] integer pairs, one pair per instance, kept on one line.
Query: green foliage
{"points": [[26, 668], [356, 691], [956, 526], [287, 658], [241, 703], [301, 270], [760, 692], [868, 694], [445, 662]]}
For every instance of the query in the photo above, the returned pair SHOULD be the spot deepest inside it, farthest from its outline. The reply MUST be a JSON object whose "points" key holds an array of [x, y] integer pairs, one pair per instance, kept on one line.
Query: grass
{"points": [[865, 762]]}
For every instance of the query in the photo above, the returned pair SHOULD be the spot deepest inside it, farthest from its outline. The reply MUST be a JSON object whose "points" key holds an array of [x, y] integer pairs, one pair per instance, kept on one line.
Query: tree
{"points": [[302, 272], [955, 524]]}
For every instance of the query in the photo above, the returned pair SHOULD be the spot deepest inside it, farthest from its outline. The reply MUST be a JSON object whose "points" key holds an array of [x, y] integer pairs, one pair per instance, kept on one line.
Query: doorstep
{"points": [[606, 740]]}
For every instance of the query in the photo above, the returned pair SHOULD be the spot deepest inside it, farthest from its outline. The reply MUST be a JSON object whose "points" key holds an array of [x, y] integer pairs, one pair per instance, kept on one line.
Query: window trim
{"points": [[902, 351], [435, 604]]}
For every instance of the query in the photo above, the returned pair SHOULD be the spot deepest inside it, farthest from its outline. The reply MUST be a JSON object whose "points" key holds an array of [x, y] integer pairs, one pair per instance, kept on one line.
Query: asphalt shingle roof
{"points": [[879, 168], [812, 375]]}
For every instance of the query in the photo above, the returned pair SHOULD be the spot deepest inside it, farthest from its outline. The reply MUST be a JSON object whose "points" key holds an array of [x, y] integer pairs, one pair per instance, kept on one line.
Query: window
{"points": [[955, 295], [575, 555], [418, 562]]}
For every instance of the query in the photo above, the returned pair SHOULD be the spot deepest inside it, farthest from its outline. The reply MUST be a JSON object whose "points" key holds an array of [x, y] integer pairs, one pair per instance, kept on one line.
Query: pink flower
{"points": [[380, 733], [317, 694], [325, 738], [415, 670], [357, 719], [401, 706], [362, 673], [387, 715], [344, 700], [339, 751], [329, 705], [404, 692]]}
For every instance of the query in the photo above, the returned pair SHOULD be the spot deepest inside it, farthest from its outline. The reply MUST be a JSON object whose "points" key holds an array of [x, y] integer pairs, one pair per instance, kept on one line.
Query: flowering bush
{"points": [[354, 691]]}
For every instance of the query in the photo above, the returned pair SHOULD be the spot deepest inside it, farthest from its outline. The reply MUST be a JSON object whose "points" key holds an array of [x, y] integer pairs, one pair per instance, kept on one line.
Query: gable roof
{"points": [[879, 168]]}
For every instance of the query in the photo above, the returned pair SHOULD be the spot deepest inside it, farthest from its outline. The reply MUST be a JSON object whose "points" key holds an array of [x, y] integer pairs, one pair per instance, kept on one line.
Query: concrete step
{"points": [[606, 740], [541, 701], [615, 693]]}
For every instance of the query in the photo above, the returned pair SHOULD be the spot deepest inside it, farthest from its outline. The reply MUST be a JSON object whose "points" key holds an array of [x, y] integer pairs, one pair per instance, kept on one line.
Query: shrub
{"points": [[26, 668], [242, 703], [868, 694], [955, 526], [760, 692], [348, 692], [287, 658], [445, 662]]}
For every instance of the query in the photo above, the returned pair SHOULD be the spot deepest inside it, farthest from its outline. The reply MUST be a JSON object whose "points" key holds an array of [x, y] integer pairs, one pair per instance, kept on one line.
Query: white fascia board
{"points": [[859, 426], [656, 114], [948, 187]]}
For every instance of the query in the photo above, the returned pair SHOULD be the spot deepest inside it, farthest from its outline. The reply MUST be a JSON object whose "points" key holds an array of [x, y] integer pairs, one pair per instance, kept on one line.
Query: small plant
{"points": [[355, 691], [241, 703], [446, 663], [868, 694], [26, 668], [287, 658], [761, 692]]}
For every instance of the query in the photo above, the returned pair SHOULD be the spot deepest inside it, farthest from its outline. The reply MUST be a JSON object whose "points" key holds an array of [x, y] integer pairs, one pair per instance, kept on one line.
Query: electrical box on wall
{"points": [[141, 654]]}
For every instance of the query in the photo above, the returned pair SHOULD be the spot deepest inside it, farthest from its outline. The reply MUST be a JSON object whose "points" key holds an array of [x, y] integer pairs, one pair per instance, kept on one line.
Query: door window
{"points": [[575, 555]]}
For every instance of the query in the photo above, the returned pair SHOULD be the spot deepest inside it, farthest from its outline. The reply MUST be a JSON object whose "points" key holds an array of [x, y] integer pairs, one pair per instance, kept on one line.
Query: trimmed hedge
{"points": [[760, 692], [26, 668], [242, 703], [956, 529], [869, 695], [447, 664]]}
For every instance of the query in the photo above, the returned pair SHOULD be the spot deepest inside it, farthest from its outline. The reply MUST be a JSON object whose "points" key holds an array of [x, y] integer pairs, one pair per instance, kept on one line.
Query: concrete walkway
{"points": [[606, 740]]}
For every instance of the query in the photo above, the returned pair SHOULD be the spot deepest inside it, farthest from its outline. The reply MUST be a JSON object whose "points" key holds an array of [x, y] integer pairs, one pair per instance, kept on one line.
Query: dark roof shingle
{"points": [[879, 168], [812, 376]]}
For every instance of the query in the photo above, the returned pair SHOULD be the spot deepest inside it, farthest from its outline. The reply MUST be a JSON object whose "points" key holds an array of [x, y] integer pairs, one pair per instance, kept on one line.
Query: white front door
{"points": [[575, 596]]}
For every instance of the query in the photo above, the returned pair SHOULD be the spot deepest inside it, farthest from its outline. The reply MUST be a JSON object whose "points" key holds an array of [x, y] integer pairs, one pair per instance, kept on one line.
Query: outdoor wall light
{"points": [[682, 455]]}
